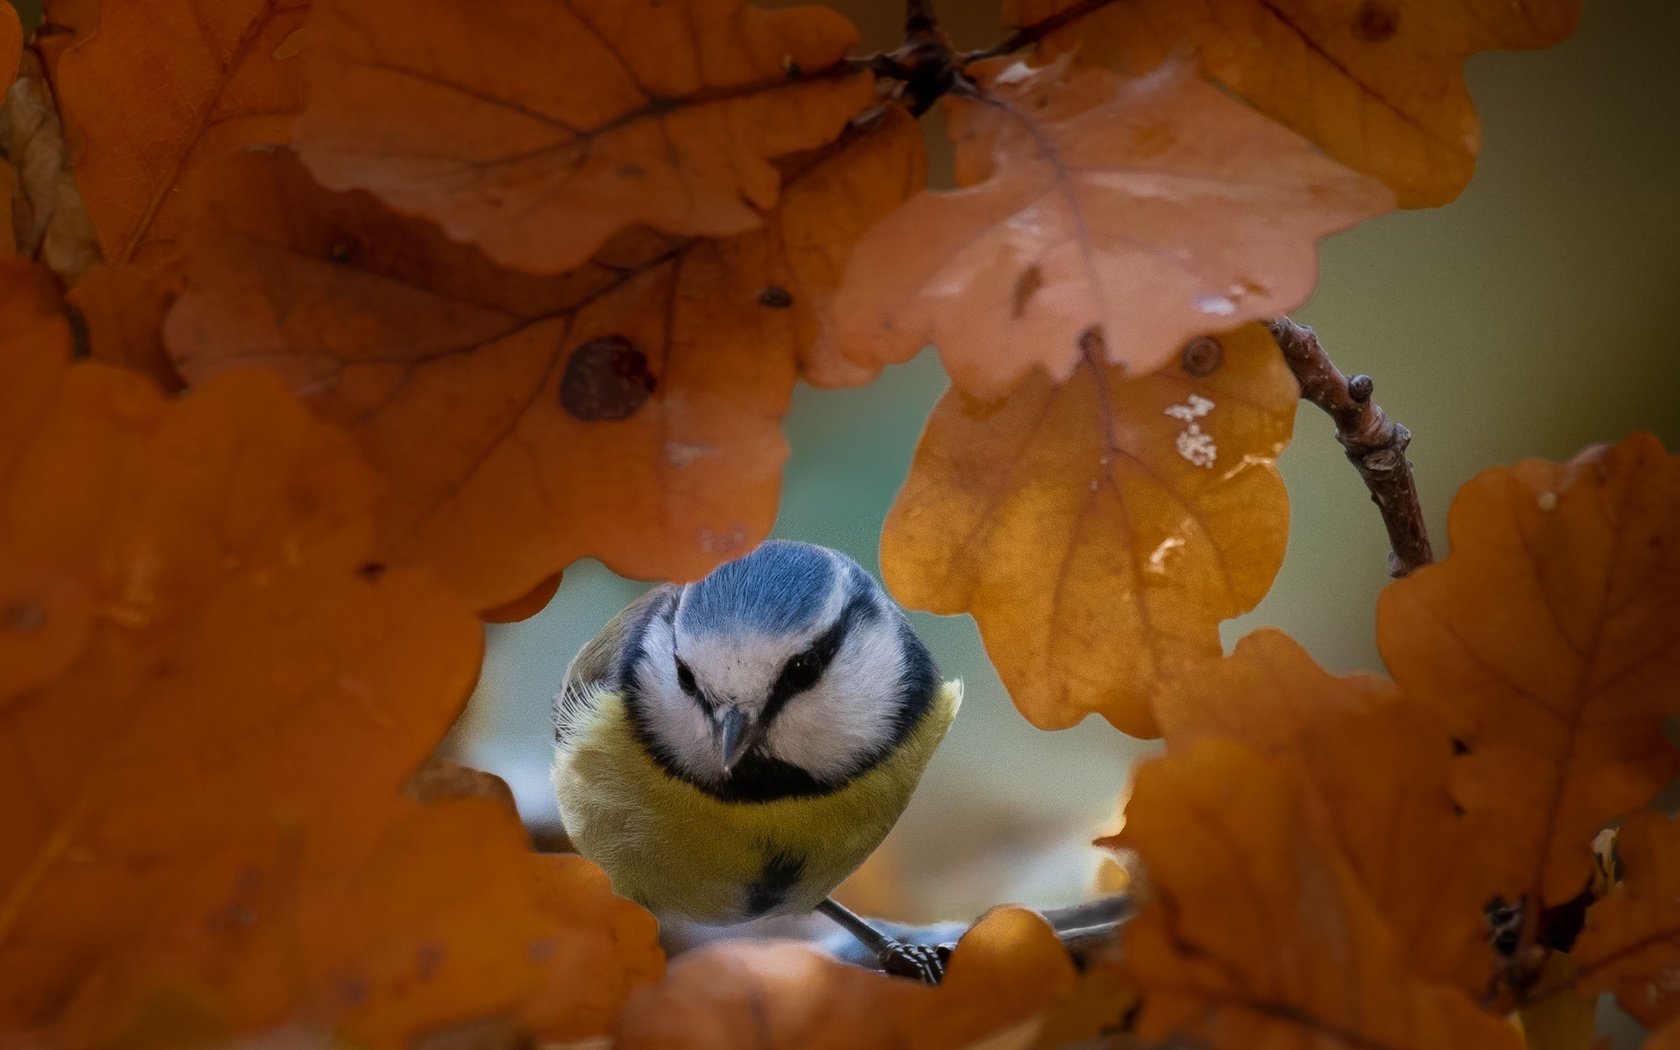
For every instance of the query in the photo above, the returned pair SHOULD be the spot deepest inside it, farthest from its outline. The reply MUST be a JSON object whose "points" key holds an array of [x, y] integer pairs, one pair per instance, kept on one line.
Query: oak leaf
{"points": [[1666, 1038], [50, 222], [45, 616], [35, 332], [207, 794], [629, 410], [537, 131], [1258, 932], [122, 309], [1549, 645], [1099, 530], [1358, 750], [1379, 84], [1631, 943], [159, 87], [1004, 974], [1149, 209]]}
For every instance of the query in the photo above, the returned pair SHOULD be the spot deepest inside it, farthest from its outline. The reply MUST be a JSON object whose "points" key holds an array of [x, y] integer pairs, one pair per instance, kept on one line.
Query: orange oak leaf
{"points": [[45, 615], [1357, 750], [527, 605], [1099, 530], [629, 410], [1258, 932], [64, 24], [1379, 84], [1149, 209], [1005, 972], [1632, 940], [1549, 645], [209, 793], [537, 132], [162, 85], [122, 308], [35, 333]]}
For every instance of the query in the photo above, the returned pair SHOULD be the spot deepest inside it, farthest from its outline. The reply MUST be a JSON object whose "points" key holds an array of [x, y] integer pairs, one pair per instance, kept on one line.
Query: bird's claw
{"points": [[922, 962]]}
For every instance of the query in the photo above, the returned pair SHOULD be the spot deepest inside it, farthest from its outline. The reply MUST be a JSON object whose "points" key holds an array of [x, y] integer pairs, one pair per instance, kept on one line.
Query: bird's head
{"points": [[785, 672]]}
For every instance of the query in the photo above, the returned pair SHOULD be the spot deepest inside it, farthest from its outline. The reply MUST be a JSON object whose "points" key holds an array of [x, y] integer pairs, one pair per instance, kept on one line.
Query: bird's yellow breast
{"points": [[677, 850]]}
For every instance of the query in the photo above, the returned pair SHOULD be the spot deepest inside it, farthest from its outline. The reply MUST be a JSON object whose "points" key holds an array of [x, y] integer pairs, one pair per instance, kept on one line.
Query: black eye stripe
{"points": [[860, 609]]}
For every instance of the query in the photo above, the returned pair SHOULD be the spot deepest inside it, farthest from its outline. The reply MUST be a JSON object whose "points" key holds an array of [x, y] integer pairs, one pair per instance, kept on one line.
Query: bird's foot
{"points": [[925, 963]]}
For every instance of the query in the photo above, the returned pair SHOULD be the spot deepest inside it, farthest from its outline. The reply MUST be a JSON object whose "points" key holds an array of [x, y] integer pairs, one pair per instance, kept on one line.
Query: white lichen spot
{"points": [[1194, 444], [1195, 408], [1158, 557], [1548, 501], [1218, 305], [682, 453]]}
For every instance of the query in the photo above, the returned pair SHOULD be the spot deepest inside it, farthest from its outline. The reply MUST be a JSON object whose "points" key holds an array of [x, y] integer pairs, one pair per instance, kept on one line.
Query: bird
{"points": [[735, 747]]}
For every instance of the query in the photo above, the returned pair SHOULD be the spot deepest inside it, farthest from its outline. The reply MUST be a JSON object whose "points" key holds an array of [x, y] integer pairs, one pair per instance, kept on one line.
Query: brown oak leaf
{"points": [[1004, 974], [1258, 932], [159, 87], [1549, 645], [1631, 944], [629, 410], [1379, 84], [122, 308], [207, 795], [538, 130], [1149, 208], [1374, 771], [1100, 529]]}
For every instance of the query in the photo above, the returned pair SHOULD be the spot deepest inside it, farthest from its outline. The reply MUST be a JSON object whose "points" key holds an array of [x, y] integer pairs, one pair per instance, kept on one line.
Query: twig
{"points": [[1084, 929], [1374, 443], [1026, 36]]}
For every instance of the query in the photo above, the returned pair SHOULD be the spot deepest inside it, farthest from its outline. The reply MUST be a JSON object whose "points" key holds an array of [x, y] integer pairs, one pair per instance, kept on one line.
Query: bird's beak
{"points": [[738, 733]]}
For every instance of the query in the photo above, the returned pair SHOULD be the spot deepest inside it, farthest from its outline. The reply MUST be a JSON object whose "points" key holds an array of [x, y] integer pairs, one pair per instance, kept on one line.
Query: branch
{"points": [[1026, 36], [1374, 443], [1084, 929]]}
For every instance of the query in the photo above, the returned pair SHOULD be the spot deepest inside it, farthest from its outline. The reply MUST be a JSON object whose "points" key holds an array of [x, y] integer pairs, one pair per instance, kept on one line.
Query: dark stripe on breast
{"points": [[781, 872]]}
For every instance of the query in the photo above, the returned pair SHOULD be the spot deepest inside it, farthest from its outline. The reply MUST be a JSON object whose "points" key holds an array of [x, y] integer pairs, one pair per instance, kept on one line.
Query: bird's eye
{"points": [[801, 673], [685, 678]]}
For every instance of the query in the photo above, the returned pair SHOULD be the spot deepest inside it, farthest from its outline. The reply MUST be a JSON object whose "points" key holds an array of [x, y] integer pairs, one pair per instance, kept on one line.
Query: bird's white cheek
{"points": [[829, 729]]}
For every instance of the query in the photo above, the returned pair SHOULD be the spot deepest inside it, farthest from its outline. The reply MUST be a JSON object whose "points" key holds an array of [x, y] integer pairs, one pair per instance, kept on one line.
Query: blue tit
{"points": [[736, 747]]}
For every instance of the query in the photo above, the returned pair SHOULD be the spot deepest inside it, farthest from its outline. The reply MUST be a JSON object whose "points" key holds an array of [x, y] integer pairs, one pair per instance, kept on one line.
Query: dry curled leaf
{"points": [[158, 88], [1631, 944], [1379, 84], [1357, 749], [1005, 972], [472, 115], [1258, 932], [207, 794], [1099, 530], [629, 410], [1151, 209], [1549, 645], [51, 224]]}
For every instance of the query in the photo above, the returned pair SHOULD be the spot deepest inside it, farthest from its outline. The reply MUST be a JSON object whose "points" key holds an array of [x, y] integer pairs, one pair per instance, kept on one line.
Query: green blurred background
{"points": [[1529, 318]]}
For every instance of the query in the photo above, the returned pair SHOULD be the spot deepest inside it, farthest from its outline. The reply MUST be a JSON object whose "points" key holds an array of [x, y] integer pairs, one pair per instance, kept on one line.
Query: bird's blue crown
{"points": [[779, 588]]}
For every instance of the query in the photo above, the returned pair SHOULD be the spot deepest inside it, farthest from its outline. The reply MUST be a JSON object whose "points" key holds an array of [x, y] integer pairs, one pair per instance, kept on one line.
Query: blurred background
{"points": [[1528, 319]]}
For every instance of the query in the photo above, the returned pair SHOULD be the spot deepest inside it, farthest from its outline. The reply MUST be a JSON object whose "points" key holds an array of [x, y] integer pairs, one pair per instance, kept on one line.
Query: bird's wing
{"points": [[596, 664]]}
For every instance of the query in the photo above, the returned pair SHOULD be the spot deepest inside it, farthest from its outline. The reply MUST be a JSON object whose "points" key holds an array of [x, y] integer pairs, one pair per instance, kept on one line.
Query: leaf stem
{"points": [[1374, 443]]}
